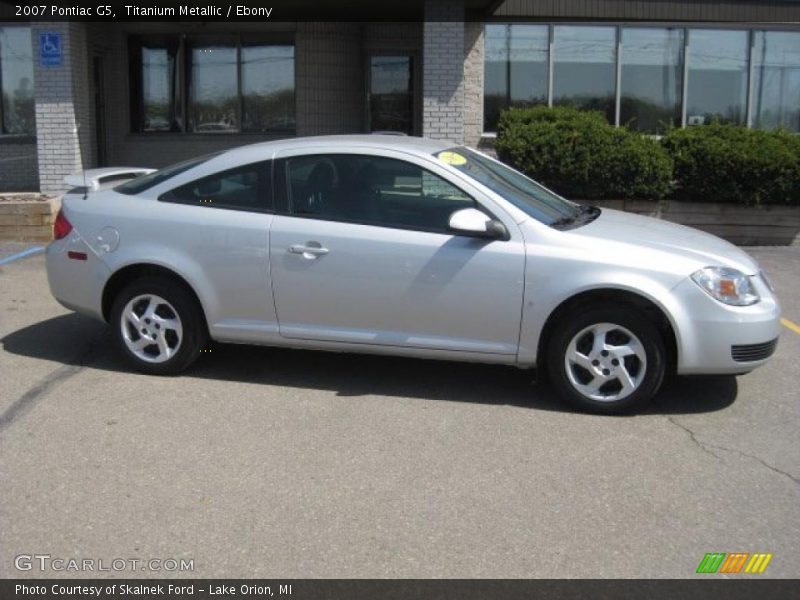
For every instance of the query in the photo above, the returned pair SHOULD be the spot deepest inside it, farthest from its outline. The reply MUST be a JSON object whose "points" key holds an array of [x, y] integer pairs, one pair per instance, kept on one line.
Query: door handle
{"points": [[308, 251]]}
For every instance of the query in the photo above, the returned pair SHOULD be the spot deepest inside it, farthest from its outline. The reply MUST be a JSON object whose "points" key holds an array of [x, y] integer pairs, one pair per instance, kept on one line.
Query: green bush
{"points": [[579, 155], [730, 163]]}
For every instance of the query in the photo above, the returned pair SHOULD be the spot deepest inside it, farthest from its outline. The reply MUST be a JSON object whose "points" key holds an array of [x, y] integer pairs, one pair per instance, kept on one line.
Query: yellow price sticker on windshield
{"points": [[451, 158]]}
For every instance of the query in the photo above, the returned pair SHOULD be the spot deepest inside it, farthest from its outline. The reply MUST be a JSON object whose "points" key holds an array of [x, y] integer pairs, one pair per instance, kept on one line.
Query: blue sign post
{"points": [[50, 49]]}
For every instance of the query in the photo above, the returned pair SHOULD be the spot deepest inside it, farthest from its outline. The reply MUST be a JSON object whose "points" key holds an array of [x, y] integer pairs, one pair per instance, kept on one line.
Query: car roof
{"points": [[332, 142]]}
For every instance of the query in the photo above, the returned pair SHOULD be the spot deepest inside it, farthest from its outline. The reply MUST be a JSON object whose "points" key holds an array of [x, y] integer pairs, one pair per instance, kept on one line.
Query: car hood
{"points": [[641, 232]]}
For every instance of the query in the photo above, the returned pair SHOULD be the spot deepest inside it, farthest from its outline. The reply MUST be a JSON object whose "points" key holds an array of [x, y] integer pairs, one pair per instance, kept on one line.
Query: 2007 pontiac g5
{"points": [[404, 246]]}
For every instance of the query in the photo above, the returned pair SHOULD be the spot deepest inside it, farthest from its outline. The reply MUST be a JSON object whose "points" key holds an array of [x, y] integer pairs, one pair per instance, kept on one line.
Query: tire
{"points": [[158, 325], [606, 360]]}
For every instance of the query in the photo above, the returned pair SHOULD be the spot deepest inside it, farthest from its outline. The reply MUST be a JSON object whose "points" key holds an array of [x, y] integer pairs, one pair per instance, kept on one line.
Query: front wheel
{"points": [[606, 360], [158, 326]]}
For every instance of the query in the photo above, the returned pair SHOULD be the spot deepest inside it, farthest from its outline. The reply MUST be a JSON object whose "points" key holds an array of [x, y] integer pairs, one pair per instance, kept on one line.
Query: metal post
{"points": [[550, 43], [685, 81], [750, 78], [617, 101]]}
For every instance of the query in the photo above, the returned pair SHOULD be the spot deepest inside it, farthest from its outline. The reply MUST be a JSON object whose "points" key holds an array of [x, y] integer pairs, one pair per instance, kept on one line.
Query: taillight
{"points": [[61, 227]]}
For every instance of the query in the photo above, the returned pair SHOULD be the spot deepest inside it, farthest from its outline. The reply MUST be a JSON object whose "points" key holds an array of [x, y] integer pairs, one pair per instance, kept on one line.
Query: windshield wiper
{"points": [[587, 209], [586, 214], [589, 213], [563, 222]]}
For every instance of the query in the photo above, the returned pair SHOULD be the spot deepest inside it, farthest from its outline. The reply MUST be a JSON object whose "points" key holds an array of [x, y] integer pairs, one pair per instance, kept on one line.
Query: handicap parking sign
{"points": [[50, 49]]}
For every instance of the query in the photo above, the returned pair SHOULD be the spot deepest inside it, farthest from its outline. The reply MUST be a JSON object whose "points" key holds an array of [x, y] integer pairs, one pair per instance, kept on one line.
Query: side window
{"points": [[372, 190], [243, 188]]}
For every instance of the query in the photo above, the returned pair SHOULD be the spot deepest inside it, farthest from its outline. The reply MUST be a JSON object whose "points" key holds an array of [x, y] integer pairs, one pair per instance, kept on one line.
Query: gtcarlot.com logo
{"points": [[46, 562], [734, 562]]}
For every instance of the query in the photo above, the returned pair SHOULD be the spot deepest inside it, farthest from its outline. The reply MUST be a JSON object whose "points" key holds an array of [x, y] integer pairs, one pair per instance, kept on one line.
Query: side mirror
{"points": [[471, 221]]}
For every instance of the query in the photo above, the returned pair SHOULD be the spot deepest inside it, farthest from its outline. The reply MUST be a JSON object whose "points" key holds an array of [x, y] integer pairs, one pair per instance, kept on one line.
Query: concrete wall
{"points": [[330, 78], [443, 70], [473, 82], [63, 119]]}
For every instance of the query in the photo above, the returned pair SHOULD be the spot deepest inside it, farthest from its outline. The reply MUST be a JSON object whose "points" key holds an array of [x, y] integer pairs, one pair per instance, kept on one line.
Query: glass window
{"points": [[243, 188], [584, 68], [717, 76], [267, 88], [16, 77], [145, 182], [652, 76], [221, 85], [160, 104], [213, 97], [373, 190], [776, 81], [524, 193], [515, 68], [495, 74], [528, 48], [391, 94]]}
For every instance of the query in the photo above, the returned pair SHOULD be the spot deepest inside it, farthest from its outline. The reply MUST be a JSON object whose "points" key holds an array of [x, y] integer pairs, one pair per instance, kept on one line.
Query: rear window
{"points": [[145, 182], [248, 188]]}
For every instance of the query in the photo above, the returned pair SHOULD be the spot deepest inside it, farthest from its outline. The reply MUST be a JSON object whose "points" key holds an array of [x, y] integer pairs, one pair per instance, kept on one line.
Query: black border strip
{"points": [[704, 588]]}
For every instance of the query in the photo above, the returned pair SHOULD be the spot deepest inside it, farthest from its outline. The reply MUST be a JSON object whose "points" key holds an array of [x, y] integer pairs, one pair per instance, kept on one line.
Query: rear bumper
{"points": [[718, 339], [76, 284]]}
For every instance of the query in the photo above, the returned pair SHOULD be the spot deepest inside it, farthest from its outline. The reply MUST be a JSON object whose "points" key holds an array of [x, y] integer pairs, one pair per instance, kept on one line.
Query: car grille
{"points": [[753, 352]]}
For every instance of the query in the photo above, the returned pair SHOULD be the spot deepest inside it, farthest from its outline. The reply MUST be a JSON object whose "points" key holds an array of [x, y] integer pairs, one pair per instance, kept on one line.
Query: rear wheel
{"points": [[606, 360], [158, 325]]}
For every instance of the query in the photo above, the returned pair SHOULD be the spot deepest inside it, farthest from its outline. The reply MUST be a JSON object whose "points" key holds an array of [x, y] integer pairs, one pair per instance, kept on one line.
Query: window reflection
{"points": [[515, 68], [495, 75], [652, 77], [717, 76], [158, 88], [16, 75], [391, 94], [207, 85], [776, 81], [528, 46], [584, 68], [213, 90], [268, 88]]}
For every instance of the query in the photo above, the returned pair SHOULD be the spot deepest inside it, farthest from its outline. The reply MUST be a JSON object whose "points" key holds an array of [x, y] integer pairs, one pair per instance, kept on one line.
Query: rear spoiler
{"points": [[93, 179]]}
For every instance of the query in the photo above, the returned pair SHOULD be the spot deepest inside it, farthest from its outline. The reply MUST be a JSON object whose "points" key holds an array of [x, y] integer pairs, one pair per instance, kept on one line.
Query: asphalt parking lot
{"points": [[277, 463]]}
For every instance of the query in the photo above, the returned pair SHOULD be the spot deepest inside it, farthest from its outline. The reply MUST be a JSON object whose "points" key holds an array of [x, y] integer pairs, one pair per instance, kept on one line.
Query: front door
{"points": [[391, 93], [364, 257]]}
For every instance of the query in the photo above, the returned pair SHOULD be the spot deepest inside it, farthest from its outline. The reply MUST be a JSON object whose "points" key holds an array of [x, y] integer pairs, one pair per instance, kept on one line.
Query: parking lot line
{"points": [[790, 325], [28, 252]]}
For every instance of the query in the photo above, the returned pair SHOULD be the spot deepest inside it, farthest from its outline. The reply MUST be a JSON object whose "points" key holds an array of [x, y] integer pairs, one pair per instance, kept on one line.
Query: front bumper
{"points": [[714, 338]]}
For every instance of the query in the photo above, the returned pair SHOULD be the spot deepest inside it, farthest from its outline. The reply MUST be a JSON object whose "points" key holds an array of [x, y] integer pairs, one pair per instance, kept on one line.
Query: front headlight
{"points": [[726, 285]]}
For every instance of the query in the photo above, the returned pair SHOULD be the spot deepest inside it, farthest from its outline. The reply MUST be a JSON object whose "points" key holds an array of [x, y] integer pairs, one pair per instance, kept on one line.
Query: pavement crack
{"points": [[757, 459], [707, 448], [692, 436], [26, 401]]}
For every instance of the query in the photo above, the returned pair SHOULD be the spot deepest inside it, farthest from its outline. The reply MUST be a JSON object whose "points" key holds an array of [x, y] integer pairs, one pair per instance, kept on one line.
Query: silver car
{"points": [[404, 246]]}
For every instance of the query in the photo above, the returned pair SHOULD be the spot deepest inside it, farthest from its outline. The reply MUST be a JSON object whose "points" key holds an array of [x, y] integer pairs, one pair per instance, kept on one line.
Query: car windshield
{"points": [[145, 182], [524, 193]]}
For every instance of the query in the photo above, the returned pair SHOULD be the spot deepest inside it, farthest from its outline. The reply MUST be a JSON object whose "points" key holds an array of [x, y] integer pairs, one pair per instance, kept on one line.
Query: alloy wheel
{"points": [[151, 328], [605, 362]]}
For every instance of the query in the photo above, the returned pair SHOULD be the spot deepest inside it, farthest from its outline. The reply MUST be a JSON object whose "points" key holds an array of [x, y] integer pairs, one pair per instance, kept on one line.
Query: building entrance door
{"points": [[391, 93]]}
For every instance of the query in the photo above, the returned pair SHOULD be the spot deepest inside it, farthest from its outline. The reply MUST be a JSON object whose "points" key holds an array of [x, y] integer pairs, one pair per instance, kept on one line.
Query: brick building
{"points": [[153, 93]]}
